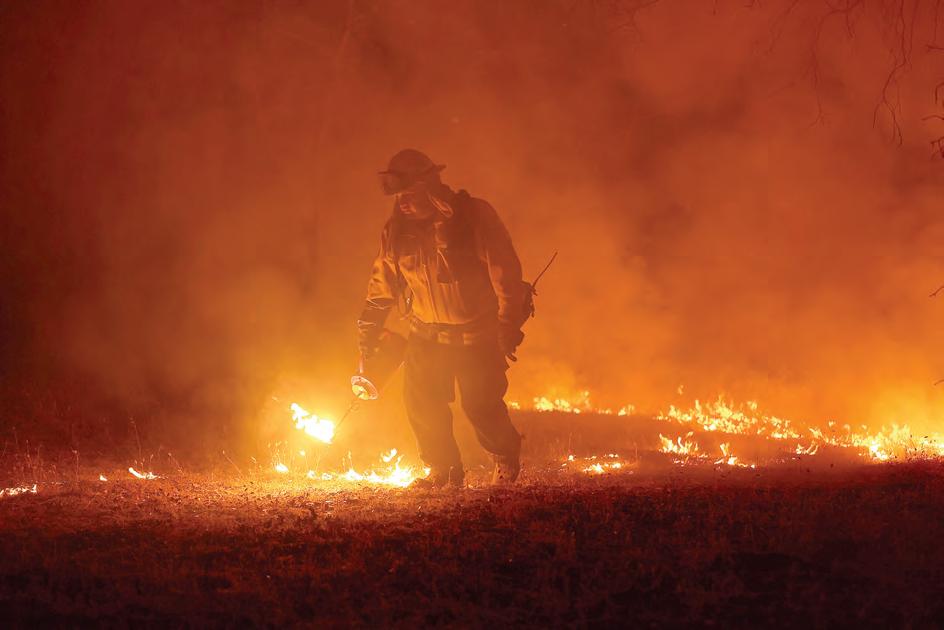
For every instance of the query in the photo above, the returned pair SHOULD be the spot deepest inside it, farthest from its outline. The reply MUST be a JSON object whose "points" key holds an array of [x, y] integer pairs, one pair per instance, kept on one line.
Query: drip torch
{"points": [[374, 372]]}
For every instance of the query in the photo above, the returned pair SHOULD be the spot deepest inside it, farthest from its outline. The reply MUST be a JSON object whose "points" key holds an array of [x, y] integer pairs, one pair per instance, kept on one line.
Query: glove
{"points": [[368, 342], [369, 329], [509, 338]]}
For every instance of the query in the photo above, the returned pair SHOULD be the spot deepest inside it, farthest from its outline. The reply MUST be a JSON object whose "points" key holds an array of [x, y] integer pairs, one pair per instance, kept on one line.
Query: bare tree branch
{"points": [[938, 146], [901, 55], [626, 15], [780, 23], [899, 18]]}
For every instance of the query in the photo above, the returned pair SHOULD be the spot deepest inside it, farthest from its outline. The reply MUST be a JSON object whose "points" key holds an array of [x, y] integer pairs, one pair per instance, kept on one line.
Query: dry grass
{"points": [[658, 546]]}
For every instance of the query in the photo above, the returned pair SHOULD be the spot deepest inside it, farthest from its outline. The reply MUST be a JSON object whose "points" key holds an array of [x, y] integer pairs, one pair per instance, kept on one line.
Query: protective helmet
{"points": [[405, 169]]}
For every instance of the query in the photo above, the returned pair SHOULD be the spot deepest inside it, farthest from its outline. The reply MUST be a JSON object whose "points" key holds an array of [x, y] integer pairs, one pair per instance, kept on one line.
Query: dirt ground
{"points": [[650, 545]]}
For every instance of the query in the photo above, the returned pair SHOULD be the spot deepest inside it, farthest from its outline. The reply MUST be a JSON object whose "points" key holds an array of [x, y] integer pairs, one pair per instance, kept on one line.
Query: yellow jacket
{"points": [[458, 268]]}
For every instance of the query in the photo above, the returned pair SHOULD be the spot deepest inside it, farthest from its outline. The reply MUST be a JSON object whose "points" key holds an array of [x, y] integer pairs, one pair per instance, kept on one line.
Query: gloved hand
{"points": [[368, 342], [509, 338], [369, 330]]}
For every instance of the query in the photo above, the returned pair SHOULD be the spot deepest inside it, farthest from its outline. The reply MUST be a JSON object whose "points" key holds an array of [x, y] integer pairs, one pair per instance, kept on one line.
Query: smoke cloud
{"points": [[744, 199]]}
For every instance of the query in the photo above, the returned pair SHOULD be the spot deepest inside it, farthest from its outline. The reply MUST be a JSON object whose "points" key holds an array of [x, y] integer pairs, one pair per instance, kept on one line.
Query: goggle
{"points": [[393, 182]]}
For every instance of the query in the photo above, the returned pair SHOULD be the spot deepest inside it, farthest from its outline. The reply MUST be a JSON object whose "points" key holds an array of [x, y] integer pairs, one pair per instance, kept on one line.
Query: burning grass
{"points": [[612, 520], [724, 417], [659, 545], [589, 536]]}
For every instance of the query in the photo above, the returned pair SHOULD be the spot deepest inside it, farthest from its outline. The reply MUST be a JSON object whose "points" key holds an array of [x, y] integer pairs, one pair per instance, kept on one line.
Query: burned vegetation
{"points": [[638, 534]]}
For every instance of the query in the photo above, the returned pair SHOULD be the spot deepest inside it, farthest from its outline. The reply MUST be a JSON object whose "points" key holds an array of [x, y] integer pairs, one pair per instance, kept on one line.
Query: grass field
{"points": [[798, 543]]}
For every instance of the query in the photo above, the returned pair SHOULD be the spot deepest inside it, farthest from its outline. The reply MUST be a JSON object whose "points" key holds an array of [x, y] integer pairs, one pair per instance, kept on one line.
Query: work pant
{"points": [[431, 372]]}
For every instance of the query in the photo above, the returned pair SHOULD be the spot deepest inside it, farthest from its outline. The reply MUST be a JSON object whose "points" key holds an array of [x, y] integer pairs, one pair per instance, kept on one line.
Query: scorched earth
{"points": [[640, 532]]}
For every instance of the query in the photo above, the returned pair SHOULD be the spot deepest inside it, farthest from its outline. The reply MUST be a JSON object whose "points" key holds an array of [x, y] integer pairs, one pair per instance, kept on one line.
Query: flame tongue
{"points": [[679, 447], [140, 475], [321, 429]]}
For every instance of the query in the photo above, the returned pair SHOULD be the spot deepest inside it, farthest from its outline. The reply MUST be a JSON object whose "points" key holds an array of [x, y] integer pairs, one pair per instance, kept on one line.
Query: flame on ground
{"points": [[726, 456], [139, 475], [597, 465], [722, 416], [686, 448], [12, 492], [807, 450], [391, 473], [730, 459], [579, 404], [883, 445], [397, 476], [719, 416]]}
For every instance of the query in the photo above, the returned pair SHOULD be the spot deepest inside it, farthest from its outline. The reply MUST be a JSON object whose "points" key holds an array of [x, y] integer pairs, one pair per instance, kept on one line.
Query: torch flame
{"points": [[597, 465], [321, 429]]}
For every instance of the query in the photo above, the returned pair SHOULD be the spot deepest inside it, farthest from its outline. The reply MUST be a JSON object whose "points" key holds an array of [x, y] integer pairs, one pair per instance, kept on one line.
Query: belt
{"points": [[470, 334]]}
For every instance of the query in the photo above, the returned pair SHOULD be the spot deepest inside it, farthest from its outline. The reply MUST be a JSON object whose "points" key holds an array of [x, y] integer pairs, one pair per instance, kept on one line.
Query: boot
{"points": [[506, 470], [453, 477]]}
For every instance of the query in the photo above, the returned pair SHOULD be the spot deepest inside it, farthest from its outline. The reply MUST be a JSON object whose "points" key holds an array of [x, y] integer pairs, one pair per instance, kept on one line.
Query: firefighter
{"points": [[446, 257]]}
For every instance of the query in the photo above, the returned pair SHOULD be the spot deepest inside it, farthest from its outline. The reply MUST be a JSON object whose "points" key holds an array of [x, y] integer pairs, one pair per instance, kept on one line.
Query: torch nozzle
{"points": [[350, 409]]}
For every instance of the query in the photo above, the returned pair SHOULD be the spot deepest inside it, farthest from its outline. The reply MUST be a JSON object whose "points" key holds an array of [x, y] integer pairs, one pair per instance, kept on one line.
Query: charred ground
{"points": [[655, 544]]}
